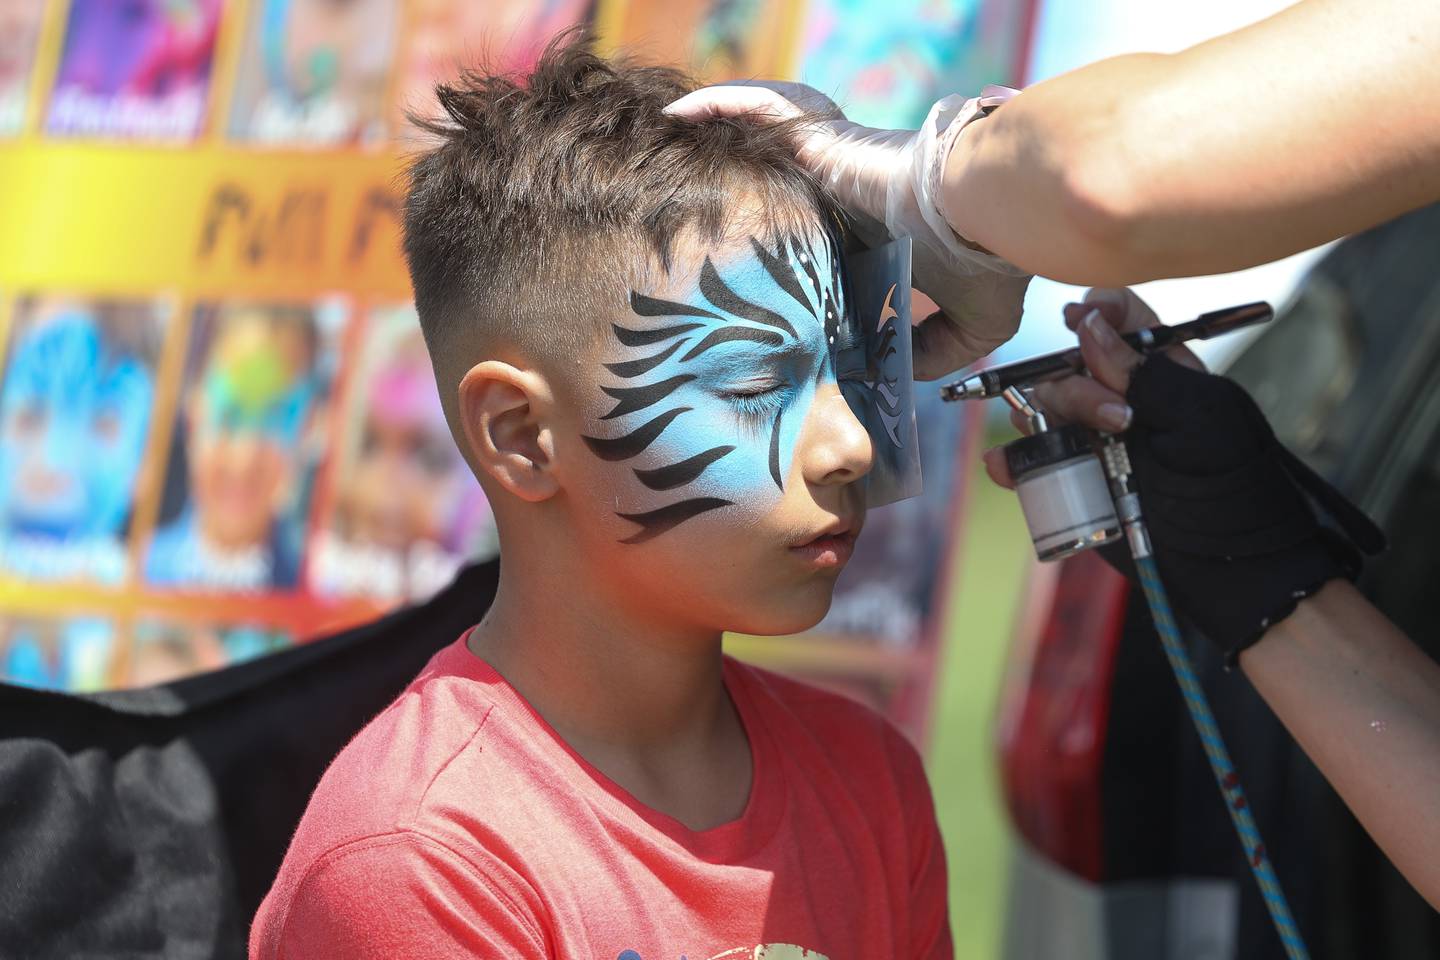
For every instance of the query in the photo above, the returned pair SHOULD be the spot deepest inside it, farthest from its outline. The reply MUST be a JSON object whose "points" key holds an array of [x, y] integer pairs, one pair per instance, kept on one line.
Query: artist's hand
{"points": [[1232, 514], [1098, 400], [883, 179]]}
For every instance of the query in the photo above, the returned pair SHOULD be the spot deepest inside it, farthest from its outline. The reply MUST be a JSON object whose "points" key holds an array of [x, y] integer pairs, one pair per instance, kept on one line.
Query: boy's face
{"points": [[712, 443]]}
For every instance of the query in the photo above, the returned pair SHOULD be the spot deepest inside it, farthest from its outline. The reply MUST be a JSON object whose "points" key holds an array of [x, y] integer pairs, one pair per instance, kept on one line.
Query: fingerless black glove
{"points": [[1234, 517]]}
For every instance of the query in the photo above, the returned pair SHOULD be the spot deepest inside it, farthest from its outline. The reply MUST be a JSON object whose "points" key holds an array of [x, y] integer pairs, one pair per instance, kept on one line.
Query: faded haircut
{"points": [[548, 197]]}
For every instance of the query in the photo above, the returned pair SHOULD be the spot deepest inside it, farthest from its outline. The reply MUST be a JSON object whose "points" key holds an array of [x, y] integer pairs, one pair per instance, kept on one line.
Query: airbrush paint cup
{"points": [[1063, 492]]}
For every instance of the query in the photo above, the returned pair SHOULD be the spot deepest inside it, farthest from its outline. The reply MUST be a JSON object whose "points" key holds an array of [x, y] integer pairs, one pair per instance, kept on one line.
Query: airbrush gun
{"points": [[1058, 472], [1077, 492], [1024, 373]]}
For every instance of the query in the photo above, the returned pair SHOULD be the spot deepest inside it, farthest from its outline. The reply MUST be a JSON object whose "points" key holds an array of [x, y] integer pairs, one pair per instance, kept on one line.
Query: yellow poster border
{"points": [[216, 221]]}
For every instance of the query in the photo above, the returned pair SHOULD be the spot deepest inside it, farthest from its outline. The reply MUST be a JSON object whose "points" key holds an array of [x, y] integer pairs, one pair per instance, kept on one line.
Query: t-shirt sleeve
{"points": [[400, 896], [929, 893]]}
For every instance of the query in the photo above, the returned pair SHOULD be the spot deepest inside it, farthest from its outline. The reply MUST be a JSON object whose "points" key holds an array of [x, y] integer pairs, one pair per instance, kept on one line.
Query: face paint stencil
{"points": [[875, 368], [708, 392]]}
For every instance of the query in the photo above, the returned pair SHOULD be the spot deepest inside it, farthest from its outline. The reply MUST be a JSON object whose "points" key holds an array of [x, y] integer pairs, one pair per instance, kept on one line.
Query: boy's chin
{"points": [[795, 613]]}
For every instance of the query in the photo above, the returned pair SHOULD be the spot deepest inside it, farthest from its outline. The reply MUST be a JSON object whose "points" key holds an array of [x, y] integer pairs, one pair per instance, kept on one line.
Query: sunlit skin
{"points": [[617, 644], [750, 401]]}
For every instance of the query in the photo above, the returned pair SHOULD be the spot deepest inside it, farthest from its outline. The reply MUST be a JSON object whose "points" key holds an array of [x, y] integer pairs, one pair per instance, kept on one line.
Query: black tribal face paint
{"points": [[707, 393]]}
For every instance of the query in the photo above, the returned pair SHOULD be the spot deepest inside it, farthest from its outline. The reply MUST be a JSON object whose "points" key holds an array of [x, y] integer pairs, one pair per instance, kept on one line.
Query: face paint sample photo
{"points": [[56, 653], [20, 22], [378, 544], [75, 411], [135, 68], [887, 61], [314, 72], [442, 36], [720, 455], [247, 445], [160, 651], [717, 39]]}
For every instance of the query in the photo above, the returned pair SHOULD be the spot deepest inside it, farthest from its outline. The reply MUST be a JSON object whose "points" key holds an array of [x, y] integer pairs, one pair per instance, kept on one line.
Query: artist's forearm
{"points": [[1364, 704], [1018, 183], [1321, 121]]}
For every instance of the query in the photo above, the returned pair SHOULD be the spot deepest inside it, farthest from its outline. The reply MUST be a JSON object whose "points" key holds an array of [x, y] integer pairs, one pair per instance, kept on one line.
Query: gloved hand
{"points": [[1232, 514], [888, 180]]}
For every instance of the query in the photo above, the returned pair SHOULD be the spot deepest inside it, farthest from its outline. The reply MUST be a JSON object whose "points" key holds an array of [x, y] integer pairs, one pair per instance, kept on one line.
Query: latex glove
{"points": [[888, 181], [1232, 514]]}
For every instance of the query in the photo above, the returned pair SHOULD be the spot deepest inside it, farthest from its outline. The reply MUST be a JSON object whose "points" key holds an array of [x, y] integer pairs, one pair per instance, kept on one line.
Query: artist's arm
{"points": [[1317, 122], [1363, 702], [1359, 697]]}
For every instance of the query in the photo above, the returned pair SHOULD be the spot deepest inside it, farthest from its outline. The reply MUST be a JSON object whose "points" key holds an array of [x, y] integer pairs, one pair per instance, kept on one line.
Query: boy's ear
{"points": [[504, 410]]}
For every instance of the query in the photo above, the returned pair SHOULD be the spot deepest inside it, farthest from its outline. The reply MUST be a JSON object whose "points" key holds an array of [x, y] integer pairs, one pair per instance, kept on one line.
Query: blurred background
{"points": [[212, 380]]}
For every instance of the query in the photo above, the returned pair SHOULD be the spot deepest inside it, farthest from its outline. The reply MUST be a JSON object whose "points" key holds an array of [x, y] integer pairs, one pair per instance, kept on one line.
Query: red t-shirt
{"points": [[459, 824]]}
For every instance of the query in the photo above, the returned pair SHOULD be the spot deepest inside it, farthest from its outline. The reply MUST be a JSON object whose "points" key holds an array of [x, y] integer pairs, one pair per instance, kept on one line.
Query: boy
{"points": [[630, 317]]}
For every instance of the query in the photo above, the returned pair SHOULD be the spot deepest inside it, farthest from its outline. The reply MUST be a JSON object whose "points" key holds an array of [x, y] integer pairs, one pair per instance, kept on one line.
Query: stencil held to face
{"points": [[725, 458]]}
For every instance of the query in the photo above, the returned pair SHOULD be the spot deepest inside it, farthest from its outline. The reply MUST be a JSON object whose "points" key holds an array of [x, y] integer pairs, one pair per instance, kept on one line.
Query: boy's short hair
{"points": [[546, 197]]}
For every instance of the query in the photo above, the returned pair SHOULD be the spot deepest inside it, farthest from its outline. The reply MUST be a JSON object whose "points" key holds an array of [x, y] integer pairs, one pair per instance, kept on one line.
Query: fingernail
{"points": [[1102, 330], [1115, 416]]}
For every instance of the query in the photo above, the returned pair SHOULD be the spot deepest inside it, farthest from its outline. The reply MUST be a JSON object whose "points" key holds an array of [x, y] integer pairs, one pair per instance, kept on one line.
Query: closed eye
{"points": [[754, 390], [758, 403]]}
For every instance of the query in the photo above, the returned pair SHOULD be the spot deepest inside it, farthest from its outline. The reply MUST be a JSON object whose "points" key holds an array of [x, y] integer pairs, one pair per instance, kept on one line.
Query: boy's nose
{"points": [[835, 445]]}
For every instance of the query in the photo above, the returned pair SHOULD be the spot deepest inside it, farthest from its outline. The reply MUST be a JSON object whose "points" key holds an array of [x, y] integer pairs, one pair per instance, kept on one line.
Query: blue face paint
{"points": [[710, 391], [74, 413]]}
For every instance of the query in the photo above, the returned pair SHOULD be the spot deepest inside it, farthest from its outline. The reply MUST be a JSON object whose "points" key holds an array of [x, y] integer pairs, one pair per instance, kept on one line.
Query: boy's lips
{"points": [[831, 546]]}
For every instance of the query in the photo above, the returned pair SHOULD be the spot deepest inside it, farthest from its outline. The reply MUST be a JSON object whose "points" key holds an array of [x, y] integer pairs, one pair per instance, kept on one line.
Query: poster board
{"points": [[206, 338]]}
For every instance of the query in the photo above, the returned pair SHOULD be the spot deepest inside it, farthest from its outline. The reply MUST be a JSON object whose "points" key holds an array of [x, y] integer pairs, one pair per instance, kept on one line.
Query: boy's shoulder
{"points": [[380, 780]]}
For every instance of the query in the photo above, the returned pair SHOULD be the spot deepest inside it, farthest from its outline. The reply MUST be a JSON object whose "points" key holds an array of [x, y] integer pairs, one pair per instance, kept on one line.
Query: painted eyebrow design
{"points": [[634, 368], [728, 318], [728, 300], [632, 399], [729, 334]]}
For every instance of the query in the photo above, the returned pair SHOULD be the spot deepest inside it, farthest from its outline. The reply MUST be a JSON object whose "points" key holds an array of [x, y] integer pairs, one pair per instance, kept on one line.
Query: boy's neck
{"points": [[644, 704]]}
